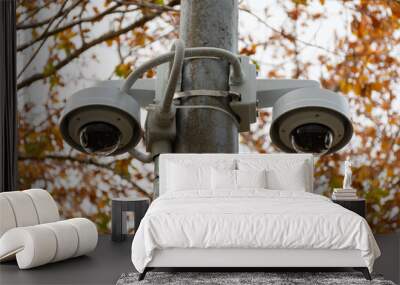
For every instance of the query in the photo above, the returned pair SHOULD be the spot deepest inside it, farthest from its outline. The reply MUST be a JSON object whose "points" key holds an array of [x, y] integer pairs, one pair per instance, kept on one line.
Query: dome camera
{"points": [[102, 121], [311, 120]]}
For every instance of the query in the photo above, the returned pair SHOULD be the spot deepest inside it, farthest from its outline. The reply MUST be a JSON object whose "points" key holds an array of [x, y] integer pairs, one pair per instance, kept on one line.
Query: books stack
{"points": [[344, 194]]}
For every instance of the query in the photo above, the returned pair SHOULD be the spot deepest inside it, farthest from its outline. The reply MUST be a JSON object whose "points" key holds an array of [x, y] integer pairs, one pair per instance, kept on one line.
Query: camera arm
{"points": [[257, 94], [267, 91], [270, 90], [143, 91]]}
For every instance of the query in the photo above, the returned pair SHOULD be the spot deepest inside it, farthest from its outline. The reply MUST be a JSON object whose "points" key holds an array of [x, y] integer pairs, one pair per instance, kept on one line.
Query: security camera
{"points": [[106, 119], [311, 120], [101, 120], [306, 118]]}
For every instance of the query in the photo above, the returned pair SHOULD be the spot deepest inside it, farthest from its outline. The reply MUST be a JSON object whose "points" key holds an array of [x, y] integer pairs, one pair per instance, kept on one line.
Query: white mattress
{"points": [[253, 219]]}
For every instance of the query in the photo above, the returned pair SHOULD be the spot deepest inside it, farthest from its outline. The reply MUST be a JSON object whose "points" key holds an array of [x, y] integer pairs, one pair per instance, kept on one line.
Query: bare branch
{"points": [[110, 35], [44, 40], [148, 5], [45, 34], [68, 26], [287, 36], [32, 13], [81, 32], [46, 21], [85, 162]]}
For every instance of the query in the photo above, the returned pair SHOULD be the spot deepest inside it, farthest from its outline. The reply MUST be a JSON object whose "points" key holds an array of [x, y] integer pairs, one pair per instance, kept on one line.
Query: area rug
{"points": [[243, 278]]}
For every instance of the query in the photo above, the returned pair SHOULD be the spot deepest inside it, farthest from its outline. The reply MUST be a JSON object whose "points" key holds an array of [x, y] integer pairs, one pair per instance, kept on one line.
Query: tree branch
{"points": [[86, 162], [88, 45], [44, 39], [148, 5], [68, 26], [287, 36], [46, 21], [32, 13], [45, 34]]}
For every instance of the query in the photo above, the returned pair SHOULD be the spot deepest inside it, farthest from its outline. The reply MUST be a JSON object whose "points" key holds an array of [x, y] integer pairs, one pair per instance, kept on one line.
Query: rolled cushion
{"points": [[87, 235], [7, 218], [45, 205], [40, 244], [33, 246], [26, 208], [66, 238], [23, 208]]}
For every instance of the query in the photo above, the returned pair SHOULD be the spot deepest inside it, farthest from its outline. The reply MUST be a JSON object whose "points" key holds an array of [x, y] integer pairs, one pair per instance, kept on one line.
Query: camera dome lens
{"points": [[312, 138], [100, 138]]}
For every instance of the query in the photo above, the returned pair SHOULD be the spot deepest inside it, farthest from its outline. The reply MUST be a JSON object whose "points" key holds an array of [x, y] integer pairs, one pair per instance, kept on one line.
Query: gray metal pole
{"points": [[211, 23]]}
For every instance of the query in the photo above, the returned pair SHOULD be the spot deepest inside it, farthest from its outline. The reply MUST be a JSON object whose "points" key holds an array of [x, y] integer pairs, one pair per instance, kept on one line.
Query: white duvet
{"points": [[257, 218]]}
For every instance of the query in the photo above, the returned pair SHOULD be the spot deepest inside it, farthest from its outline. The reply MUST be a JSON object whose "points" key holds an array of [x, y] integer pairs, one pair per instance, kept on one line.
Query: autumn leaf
{"points": [[300, 2], [249, 50], [123, 69]]}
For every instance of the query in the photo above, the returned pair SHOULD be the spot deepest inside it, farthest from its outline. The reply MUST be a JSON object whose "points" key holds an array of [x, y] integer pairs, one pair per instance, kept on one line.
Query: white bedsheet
{"points": [[256, 218]]}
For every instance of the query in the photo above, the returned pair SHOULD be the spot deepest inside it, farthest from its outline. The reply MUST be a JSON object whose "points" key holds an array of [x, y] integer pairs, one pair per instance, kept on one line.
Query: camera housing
{"points": [[311, 120], [101, 120]]}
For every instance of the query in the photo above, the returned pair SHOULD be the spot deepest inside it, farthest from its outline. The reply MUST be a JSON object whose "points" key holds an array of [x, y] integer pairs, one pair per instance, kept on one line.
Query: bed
{"points": [[247, 210]]}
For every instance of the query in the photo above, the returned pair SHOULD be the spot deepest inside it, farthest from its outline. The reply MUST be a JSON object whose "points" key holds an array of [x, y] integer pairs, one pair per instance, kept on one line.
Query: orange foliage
{"points": [[363, 65]]}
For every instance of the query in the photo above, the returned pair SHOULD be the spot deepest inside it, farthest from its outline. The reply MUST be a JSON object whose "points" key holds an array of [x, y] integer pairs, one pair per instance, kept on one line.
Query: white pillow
{"points": [[182, 177], [251, 178], [230, 180], [282, 174], [223, 179], [293, 180], [192, 173]]}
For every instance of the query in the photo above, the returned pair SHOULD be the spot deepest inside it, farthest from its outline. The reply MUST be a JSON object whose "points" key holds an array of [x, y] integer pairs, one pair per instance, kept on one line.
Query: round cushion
{"points": [[23, 208], [7, 220], [87, 234], [45, 205], [66, 238], [33, 246], [40, 244]]}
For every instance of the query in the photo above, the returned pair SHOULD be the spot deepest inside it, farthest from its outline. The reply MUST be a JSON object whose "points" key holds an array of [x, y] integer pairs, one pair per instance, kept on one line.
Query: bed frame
{"points": [[242, 259], [246, 259]]}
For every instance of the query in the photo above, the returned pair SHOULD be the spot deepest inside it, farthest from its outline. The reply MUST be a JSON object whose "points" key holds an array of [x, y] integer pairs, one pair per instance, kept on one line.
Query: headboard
{"points": [[165, 159]]}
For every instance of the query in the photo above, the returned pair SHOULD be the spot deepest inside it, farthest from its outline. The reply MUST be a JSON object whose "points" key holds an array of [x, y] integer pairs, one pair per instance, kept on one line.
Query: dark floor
{"points": [[102, 266], [110, 259]]}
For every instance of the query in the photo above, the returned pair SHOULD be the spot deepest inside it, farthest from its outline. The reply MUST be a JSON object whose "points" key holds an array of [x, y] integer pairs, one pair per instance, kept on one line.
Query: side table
{"points": [[119, 207], [357, 206]]}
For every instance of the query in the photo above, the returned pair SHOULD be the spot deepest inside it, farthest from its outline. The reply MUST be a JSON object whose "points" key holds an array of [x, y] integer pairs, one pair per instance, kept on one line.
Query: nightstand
{"points": [[119, 207], [357, 206]]}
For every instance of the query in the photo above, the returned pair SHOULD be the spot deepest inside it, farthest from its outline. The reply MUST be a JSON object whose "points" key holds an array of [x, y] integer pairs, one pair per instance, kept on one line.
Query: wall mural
{"points": [[66, 45]]}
